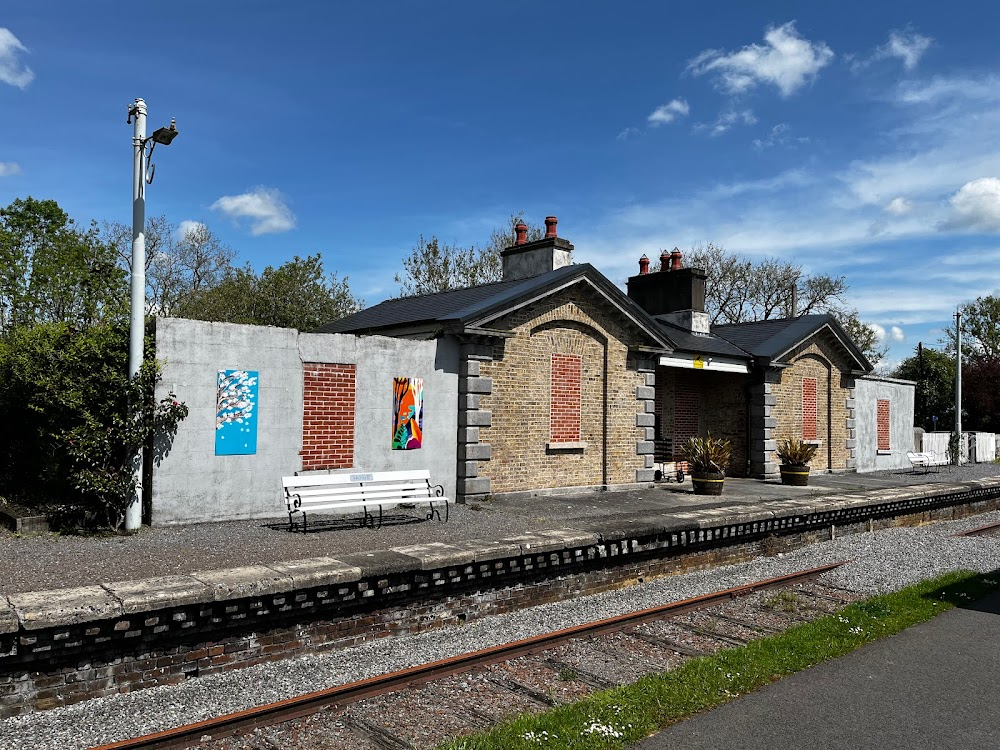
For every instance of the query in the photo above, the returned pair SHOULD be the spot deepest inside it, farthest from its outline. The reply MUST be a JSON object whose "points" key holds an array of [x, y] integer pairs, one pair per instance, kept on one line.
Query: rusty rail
{"points": [[303, 705], [988, 530]]}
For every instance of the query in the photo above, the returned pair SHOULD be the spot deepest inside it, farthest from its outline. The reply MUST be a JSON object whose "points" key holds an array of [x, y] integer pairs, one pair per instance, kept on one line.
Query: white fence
{"points": [[977, 447]]}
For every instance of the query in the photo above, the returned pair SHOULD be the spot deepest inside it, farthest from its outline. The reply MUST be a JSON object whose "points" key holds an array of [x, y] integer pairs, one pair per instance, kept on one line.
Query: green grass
{"points": [[621, 716]]}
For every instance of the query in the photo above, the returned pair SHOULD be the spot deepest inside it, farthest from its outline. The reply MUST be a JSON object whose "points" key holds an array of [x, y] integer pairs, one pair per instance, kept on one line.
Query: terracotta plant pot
{"points": [[795, 475], [707, 482]]}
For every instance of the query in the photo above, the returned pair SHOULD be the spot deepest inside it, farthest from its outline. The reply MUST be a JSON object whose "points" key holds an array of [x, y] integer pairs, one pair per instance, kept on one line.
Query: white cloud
{"points": [[896, 333], [934, 90], [187, 227], [976, 206], [264, 207], [627, 133], [898, 207], [8, 168], [669, 112], [906, 45], [727, 120], [12, 70], [879, 332], [786, 61]]}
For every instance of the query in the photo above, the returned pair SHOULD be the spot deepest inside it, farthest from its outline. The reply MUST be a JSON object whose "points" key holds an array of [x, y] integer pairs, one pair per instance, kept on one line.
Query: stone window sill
{"points": [[817, 443], [579, 446], [883, 453]]}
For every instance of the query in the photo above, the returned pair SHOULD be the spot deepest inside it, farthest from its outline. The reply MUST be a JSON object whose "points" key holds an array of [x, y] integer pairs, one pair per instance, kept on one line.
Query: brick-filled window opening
{"points": [[328, 393], [810, 413], [883, 424], [566, 394]]}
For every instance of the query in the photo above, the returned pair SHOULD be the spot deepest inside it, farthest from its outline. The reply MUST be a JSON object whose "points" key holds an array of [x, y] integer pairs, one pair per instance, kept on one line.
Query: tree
{"points": [[934, 373], [180, 262], [980, 329], [51, 271], [80, 420], [297, 294], [435, 267], [743, 290]]}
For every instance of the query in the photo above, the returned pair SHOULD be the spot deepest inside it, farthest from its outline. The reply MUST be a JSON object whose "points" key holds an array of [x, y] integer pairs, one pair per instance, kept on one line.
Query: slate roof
{"points": [[768, 340], [458, 308], [700, 343], [762, 341]]}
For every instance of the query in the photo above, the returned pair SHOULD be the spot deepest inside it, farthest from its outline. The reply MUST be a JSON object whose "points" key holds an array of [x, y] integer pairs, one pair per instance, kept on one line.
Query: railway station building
{"points": [[550, 379]]}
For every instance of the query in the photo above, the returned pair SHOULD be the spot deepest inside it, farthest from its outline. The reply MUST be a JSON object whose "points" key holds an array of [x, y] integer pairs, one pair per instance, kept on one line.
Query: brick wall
{"points": [[518, 430], [821, 359], [328, 416], [883, 424], [565, 403]]}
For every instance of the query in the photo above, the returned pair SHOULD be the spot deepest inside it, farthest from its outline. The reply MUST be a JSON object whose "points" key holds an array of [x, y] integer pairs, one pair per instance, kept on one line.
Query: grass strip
{"points": [[618, 717]]}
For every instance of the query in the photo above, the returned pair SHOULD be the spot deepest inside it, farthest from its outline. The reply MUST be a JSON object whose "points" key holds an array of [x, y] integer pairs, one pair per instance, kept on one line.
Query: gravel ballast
{"points": [[885, 560]]}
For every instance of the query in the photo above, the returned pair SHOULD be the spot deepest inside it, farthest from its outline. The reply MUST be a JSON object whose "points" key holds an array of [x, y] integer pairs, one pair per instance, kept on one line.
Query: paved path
{"points": [[936, 685]]}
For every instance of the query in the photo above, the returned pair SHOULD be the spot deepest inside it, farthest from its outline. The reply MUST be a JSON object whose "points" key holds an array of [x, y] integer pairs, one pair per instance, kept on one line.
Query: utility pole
{"points": [[958, 382], [142, 174]]}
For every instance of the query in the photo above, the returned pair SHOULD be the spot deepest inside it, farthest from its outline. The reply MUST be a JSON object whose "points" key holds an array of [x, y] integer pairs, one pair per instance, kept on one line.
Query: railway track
{"points": [[425, 705], [992, 529]]}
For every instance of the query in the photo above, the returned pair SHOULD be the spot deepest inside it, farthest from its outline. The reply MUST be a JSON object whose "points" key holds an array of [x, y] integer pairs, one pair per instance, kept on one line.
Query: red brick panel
{"points": [[327, 416], [564, 407], [810, 414], [883, 424], [686, 398]]}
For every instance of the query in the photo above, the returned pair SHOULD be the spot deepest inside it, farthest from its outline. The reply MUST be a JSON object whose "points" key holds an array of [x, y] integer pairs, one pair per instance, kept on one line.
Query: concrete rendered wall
{"points": [[899, 394], [192, 484]]}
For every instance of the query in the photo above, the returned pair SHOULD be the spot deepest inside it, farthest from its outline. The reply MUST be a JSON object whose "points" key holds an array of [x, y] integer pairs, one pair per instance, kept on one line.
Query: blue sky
{"points": [[857, 139]]}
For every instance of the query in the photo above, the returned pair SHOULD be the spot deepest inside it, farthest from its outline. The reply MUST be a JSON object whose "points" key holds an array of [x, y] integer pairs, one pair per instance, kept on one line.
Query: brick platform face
{"points": [[328, 416], [822, 361], [525, 452]]}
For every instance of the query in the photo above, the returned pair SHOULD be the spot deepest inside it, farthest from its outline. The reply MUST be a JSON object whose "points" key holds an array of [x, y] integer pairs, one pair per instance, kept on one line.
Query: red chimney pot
{"points": [[643, 265], [675, 260], [664, 261], [521, 230], [550, 226]]}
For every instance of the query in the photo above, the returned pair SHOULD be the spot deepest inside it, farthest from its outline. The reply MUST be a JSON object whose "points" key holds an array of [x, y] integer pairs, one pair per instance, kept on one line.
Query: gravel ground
{"points": [[882, 561], [49, 561]]}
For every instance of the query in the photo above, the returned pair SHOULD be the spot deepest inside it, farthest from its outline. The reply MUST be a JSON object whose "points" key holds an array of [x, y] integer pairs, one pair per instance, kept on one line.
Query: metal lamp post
{"points": [[142, 174], [958, 383]]}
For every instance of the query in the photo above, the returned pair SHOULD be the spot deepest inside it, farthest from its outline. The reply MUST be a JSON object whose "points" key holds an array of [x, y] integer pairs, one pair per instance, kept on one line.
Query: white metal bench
{"points": [[926, 460], [360, 491]]}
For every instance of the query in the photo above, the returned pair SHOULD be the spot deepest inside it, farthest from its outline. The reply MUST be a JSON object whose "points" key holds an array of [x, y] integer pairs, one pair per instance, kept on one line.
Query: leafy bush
{"points": [[794, 451], [77, 421], [707, 454]]}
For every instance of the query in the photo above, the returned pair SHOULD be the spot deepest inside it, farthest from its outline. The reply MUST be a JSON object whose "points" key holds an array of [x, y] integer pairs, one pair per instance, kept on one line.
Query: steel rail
{"points": [[309, 703], [981, 530]]}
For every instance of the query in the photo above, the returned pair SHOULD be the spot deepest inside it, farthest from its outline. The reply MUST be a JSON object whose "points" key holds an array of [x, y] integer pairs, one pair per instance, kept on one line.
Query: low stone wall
{"points": [[68, 645]]}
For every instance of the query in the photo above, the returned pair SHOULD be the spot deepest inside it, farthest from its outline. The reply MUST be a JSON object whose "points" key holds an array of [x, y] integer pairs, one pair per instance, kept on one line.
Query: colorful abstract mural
{"points": [[236, 413], [407, 413]]}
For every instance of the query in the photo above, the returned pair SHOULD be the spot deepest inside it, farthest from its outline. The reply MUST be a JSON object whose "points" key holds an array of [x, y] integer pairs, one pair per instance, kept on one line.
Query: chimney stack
{"points": [[674, 294], [524, 259]]}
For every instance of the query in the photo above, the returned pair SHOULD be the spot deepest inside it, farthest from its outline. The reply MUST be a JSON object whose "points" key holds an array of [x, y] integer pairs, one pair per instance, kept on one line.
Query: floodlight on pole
{"points": [[958, 382], [142, 174]]}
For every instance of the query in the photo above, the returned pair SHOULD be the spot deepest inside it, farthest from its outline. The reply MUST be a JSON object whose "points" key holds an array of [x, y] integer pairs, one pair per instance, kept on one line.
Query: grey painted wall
{"points": [[192, 484], [899, 393]]}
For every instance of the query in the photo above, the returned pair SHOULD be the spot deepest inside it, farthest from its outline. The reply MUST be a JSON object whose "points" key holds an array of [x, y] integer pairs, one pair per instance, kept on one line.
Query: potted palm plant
{"points": [[708, 459], [795, 455]]}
